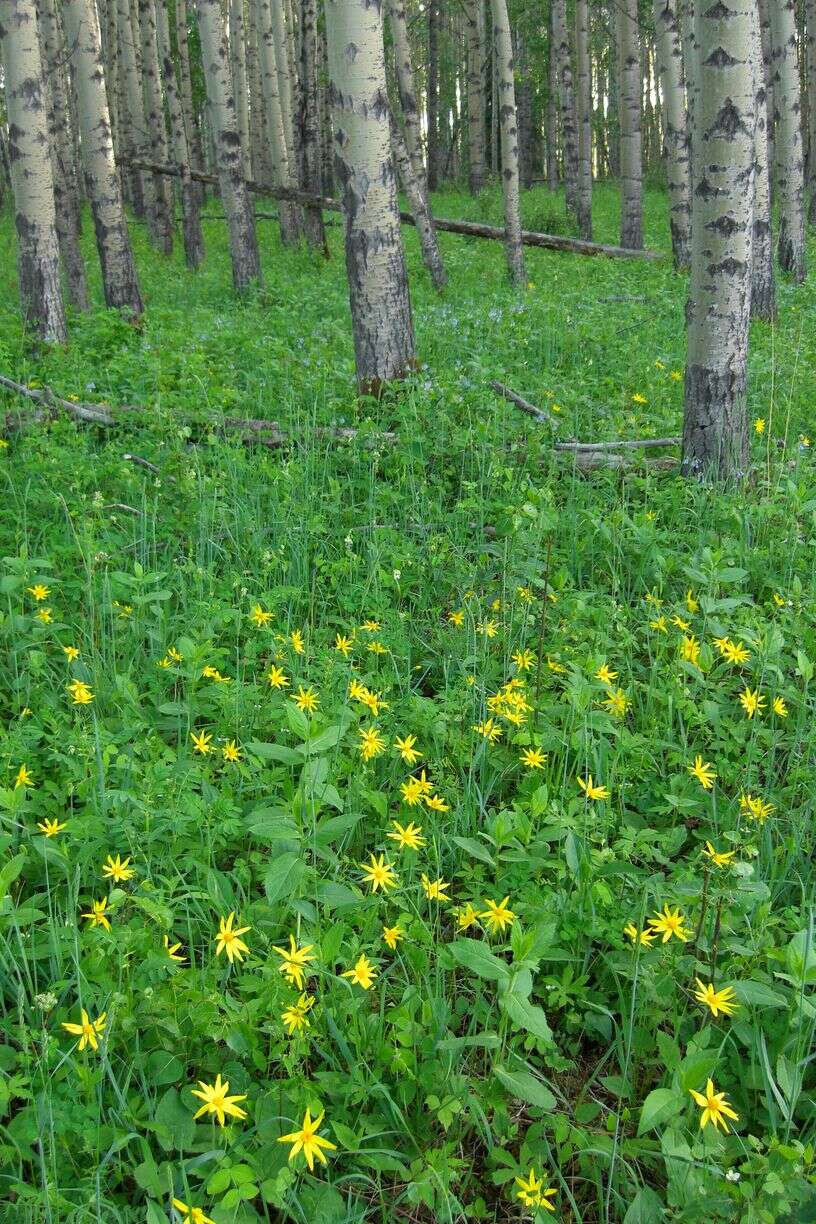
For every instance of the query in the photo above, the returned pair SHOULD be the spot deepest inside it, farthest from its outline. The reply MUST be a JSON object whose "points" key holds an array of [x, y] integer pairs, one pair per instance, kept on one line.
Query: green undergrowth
{"points": [[607, 678]]}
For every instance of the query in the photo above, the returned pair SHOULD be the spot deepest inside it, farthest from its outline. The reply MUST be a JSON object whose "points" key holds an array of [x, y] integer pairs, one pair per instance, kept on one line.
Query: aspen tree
{"points": [[715, 420], [583, 195], [503, 52], [375, 261], [246, 266], [190, 197], [32, 181], [566, 91], [161, 218], [675, 127], [310, 123], [631, 168], [476, 95], [406, 89], [270, 82], [790, 180]]}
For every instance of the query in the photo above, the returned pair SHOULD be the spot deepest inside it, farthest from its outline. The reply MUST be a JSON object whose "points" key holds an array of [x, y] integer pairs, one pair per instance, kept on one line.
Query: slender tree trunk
{"points": [[434, 156], [503, 51], [246, 266], [613, 116], [676, 137], [418, 204], [584, 92], [569, 120], [326, 140], [161, 220], [630, 143], [310, 123], [104, 190], [715, 424], [406, 88], [789, 161], [763, 285], [191, 125], [190, 198], [770, 101], [259, 160], [282, 170], [239, 80], [31, 174], [552, 112], [66, 198], [524, 111], [134, 138], [810, 77], [281, 41], [375, 261], [477, 172]]}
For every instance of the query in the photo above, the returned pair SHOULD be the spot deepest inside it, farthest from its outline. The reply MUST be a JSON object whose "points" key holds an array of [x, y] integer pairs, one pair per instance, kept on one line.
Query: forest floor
{"points": [[462, 590]]}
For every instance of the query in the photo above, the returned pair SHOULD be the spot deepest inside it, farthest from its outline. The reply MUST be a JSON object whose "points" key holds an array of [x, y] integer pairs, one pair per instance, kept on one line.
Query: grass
{"points": [[554, 1044]]}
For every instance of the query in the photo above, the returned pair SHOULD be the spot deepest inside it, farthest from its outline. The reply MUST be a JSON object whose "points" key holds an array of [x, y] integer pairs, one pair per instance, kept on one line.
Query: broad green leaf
{"points": [[479, 959], [275, 752], [757, 994], [525, 1087], [475, 849], [527, 1015], [283, 876], [660, 1105]]}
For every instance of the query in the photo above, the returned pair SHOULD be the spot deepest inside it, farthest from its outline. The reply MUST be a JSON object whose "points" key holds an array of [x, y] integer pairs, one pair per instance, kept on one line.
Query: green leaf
{"points": [[476, 957], [336, 895], [475, 849], [10, 872], [162, 1067], [526, 1015], [283, 876], [660, 1105], [325, 740], [525, 1087], [275, 752], [645, 1208], [757, 994]]}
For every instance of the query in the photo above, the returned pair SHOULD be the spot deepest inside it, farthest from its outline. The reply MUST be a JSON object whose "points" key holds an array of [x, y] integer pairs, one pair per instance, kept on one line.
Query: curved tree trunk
{"points": [[375, 261], [239, 80], [763, 283], [477, 171], [503, 51], [282, 171], [630, 141], [676, 136], [66, 197], [246, 266], [715, 424], [583, 199], [569, 121], [119, 279], [406, 89], [31, 175], [161, 218], [418, 204], [788, 146], [310, 123], [190, 197]]}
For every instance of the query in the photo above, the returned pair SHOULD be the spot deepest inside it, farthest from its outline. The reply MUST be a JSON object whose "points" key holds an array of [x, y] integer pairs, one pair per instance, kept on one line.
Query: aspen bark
{"points": [[630, 124], [477, 171], [763, 283], [375, 262], [503, 51], [191, 125], [524, 110], [281, 167], [190, 196], [566, 90], [790, 180], [310, 123], [281, 40], [31, 173], [418, 204], [406, 88], [161, 219], [715, 424], [767, 60], [134, 140], [810, 79], [66, 196], [675, 127], [583, 199], [259, 159], [434, 152], [613, 114], [552, 113], [246, 266], [239, 80], [104, 190]]}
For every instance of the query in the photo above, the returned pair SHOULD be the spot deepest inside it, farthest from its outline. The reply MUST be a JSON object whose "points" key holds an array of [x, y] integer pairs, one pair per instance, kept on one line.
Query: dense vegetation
{"points": [[519, 624]]}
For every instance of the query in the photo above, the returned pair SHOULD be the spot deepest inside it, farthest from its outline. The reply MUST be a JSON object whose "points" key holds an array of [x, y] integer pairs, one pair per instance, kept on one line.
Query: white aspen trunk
{"points": [[31, 173], [281, 168], [630, 124], [770, 103], [715, 421], [134, 140], [310, 124], [239, 80], [810, 80], [790, 179], [613, 114], [375, 261], [246, 266], [190, 197], [552, 113], [281, 37], [260, 160], [566, 90], [406, 88], [104, 190], [191, 125], [418, 203], [675, 127], [161, 220], [477, 171], [763, 283], [66, 196], [112, 75], [583, 199], [432, 93], [503, 51]]}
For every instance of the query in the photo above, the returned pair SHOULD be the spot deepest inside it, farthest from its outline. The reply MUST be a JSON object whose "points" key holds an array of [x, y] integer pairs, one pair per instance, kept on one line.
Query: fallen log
{"points": [[627, 444], [467, 229], [544, 418], [91, 414]]}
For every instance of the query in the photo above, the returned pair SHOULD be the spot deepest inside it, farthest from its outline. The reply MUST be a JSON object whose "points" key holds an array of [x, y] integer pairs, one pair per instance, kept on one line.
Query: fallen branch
{"points": [[91, 414], [467, 229], [272, 435], [140, 462], [628, 444], [544, 418]]}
